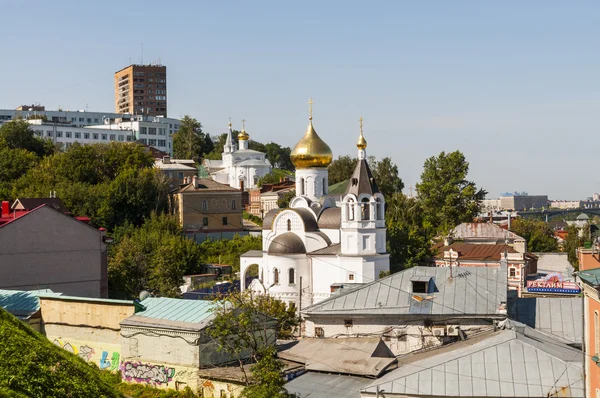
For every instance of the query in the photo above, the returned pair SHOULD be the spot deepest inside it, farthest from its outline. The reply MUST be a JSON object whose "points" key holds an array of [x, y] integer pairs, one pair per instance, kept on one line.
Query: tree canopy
{"points": [[153, 257], [247, 326], [408, 234], [190, 142], [539, 236], [18, 134], [341, 169], [447, 198]]}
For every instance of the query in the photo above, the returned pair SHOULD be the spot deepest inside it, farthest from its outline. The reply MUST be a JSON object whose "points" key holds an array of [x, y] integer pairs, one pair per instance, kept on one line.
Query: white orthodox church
{"points": [[317, 244], [240, 167]]}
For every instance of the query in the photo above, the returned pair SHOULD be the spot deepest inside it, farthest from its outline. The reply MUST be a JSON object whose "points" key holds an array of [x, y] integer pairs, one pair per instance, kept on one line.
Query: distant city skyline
{"points": [[513, 85]]}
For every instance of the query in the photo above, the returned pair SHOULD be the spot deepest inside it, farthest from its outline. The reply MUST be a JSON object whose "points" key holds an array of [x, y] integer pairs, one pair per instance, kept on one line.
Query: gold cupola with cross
{"points": [[311, 151], [243, 136]]}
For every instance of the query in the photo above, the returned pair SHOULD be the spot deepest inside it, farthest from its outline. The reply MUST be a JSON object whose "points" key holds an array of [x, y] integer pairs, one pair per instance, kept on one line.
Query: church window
{"points": [[365, 209], [275, 276], [233, 205], [289, 224], [255, 180], [351, 277], [301, 186], [324, 187], [351, 210], [261, 275], [379, 209], [291, 276], [204, 205]]}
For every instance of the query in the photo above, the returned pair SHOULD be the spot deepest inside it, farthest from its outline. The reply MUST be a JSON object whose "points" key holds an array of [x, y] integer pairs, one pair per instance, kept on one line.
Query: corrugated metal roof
{"points": [[320, 385], [560, 317], [482, 230], [505, 363], [179, 310], [330, 250], [23, 304], [471, 291]]}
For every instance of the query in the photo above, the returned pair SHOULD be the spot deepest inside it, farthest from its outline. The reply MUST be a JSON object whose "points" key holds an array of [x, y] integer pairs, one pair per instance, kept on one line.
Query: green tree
{"points": [[274, 177], [279, 156], [386, 176], [284, 201], [15, 162], [217, 151], [189, 142], [18, 134], [447, 197], [246, 327], [539, 236], [153, 257], [341, 169], [228, 251], [572, 243], [408, 235]]}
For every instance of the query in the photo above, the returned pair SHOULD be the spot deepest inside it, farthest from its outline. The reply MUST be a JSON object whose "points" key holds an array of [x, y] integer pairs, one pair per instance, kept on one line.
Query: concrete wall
{"points": [[71, 311], [401, 337], [68, 256]]}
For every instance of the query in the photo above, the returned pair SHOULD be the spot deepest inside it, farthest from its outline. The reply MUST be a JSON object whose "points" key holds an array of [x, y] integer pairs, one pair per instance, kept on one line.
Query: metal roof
{"points": [[482, 231], [362, 356], [590, 276], [470, 291], [321, 385], [362, 180], [330, 218], [331, 250], [20, 304], [504, 363], [560, 317], [179, 310], [474, 251]]}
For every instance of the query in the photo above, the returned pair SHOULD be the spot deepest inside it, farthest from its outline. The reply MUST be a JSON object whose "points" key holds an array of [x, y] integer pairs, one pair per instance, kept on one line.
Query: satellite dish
{"points": [[144, 294]]}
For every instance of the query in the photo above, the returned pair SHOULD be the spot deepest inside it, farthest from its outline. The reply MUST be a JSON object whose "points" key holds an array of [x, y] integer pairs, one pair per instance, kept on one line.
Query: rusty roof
{"points": [[473, 251]]}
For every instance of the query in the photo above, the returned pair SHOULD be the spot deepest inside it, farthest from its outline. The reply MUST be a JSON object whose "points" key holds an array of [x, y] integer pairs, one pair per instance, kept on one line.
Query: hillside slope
{"points": [[30, 365]]}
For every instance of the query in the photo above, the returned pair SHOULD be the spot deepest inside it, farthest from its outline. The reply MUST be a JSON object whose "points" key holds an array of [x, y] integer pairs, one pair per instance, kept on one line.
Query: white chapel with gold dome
{"points": [[317, 245], [240, 167]]}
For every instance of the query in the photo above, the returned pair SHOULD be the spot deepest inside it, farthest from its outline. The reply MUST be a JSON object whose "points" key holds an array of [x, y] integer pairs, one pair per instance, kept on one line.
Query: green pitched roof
{"points": [[339, 188], [591, 276]]}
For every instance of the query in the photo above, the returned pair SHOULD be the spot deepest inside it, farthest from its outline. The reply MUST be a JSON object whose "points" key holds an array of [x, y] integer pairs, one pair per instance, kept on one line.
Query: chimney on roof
{"points": [[166, 159], [195, 181], [5, 208], [448, 240]]}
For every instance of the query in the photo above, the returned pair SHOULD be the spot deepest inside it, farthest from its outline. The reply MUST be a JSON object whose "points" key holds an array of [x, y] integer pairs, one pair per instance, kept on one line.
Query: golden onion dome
{"points": [[362, 143], [243, 136], [311, 151]]}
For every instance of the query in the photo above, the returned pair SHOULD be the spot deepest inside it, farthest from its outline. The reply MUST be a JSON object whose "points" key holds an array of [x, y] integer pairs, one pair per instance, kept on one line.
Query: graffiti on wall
{"points": [[110, 364], [88, 354], [147, 373]]}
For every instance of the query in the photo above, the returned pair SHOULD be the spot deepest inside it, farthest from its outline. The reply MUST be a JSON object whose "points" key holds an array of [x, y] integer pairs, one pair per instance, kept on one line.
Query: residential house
{"points": [[420, 307], [485, 245], [205, 206], [265, 198], [166, 345], [68, 256], [590, 282], [516, 362], [177, 170]]}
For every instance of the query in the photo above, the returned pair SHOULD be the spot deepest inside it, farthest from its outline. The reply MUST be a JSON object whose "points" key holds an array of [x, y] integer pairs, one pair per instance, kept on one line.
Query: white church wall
{"points": [[332, 234], [314, 242]]}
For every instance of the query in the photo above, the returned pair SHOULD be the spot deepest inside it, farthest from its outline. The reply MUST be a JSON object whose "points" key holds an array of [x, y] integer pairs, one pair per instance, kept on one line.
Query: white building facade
{"points": [[315, 243], [240, 167], [67, 127]]}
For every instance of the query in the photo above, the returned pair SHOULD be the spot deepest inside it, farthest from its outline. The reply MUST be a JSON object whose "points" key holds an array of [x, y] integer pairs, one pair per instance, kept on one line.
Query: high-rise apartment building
{"points": [[141, 90]]}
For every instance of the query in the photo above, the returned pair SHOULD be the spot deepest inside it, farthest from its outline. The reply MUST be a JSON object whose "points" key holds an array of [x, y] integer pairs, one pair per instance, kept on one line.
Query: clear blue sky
{"points": [[514, 84]]}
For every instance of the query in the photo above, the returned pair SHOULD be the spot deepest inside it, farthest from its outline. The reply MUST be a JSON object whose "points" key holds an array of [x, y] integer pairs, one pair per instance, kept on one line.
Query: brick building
{"points": [[141, 90]]}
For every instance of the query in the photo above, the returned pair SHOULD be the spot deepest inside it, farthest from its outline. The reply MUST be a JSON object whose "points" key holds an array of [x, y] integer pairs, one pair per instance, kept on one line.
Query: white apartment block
{"points": [[67, 127]]}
